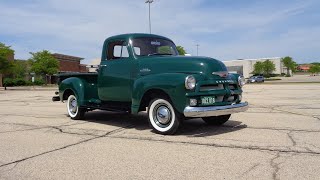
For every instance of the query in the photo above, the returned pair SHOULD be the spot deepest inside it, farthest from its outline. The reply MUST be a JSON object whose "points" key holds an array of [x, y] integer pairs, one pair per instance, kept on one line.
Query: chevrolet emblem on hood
{"points": [[221, 73]]}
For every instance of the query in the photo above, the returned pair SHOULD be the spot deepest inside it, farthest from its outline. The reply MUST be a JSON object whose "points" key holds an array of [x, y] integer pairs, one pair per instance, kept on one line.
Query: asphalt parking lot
{"points": [[277, 138]]}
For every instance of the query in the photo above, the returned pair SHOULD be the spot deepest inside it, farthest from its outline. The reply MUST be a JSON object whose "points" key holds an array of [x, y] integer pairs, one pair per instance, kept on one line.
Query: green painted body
{"points": [[128, 80]]}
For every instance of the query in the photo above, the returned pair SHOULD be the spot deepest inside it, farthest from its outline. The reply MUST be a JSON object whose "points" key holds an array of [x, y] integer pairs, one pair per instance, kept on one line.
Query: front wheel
{"points": [[74, 111], [216, 120], [163, 118]]}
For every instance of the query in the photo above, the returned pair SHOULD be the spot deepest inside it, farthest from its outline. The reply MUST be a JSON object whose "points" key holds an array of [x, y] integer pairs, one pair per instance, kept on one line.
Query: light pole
{"points": [[197, 49], [149, 2]]}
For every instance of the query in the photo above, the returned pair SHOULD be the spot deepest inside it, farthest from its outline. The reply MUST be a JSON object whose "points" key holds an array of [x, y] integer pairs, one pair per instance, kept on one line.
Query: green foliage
{"points": [[20, 69], [289, 64], [5, 50], [181, 50], [43, 63], [314, 69], [5, 65], [14, 82], [258, 68], [39, 82], [9, 82], [266, 68]]}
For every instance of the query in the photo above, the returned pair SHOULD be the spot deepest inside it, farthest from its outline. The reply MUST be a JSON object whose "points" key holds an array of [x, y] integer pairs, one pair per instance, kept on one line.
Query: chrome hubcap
{"points": [[73, 105], [162, 115]]}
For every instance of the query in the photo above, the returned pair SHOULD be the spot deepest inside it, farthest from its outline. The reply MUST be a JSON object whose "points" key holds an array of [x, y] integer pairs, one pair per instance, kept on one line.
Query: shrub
{"points": [[7, 82], [288, 75], [38, 82], [20, 82]]}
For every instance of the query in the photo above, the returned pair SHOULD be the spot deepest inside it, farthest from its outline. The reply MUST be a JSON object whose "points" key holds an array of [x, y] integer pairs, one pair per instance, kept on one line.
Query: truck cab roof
{"points": [[136, 35]]}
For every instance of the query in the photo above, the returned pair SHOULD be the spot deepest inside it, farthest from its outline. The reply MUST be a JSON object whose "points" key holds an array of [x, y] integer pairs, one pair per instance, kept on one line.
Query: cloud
{"points": [[225, 31]]}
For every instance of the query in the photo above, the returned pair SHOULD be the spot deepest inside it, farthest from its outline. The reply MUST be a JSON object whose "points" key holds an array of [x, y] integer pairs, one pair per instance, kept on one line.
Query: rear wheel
{"points": [[216, 120], [163, 118], [74, 111]]}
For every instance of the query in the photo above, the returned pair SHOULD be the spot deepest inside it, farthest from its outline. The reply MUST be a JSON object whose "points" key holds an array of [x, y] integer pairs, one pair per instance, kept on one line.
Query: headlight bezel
{"points": [[241, 81], [190, 82]]}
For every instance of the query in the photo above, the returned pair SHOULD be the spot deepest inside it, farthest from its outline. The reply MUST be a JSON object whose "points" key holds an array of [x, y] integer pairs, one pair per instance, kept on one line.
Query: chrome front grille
{"points": [[211, 87], [221, 98]]}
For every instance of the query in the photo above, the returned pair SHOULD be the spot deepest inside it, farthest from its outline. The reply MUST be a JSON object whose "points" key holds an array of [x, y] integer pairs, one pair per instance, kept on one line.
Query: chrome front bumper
{"points": [[215, 110]]}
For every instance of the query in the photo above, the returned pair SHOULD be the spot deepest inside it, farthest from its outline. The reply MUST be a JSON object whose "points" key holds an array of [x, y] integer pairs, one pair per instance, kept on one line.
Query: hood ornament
{"points": [[222, 74]]}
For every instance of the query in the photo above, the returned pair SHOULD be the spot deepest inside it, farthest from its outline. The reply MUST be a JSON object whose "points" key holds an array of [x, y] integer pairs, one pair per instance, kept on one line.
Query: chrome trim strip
{"points": [[221, 73], [215, 110]]}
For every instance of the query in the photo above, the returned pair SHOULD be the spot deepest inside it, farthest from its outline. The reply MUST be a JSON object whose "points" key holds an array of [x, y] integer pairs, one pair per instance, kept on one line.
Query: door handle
{"points": [[103, 65]]}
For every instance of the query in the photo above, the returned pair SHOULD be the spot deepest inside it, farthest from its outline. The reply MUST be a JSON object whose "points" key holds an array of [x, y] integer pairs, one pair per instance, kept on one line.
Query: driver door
{"points": [[114, 80]]}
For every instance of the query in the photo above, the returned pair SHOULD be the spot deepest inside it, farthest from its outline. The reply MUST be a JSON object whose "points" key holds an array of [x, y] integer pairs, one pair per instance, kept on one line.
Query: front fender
{"points": [[171, 83], [76, 85]]}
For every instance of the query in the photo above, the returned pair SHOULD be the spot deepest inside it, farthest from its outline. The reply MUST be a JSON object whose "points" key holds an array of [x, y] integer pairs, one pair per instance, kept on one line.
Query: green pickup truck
{"points": [[140, 72]]}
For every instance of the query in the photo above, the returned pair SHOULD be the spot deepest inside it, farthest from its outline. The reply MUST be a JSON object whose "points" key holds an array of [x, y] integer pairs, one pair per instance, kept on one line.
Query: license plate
{"points": [[207, 100]]}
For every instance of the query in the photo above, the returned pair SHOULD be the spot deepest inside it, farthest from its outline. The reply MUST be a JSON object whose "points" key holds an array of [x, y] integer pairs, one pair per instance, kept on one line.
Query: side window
{"points": [[137, 50], [117, 50]]}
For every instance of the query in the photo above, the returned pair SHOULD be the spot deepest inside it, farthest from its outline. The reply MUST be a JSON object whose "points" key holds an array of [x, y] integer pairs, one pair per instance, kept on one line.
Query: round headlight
{"points": [[190, 82], [241, 81]]}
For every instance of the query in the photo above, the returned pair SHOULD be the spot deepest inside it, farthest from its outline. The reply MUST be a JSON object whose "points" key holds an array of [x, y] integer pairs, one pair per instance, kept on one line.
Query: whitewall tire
{"points": [[74, 111], [162, 116]]}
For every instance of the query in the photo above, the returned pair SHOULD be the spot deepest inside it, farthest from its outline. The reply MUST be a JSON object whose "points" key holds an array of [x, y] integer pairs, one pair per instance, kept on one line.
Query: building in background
{"points": [[304, 67], [69, 63], [245, 67]]}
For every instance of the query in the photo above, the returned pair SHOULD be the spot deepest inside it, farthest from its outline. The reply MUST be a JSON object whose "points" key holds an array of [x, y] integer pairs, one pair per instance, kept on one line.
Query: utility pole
{"points": [[197, 49], [149, 2]]}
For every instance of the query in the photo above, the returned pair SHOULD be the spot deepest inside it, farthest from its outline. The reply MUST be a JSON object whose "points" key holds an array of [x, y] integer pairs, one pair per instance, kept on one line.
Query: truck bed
{"points": [[90, 77]]}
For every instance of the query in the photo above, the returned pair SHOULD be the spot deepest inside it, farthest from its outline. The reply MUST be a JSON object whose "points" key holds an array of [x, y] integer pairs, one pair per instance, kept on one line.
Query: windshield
{"points": [[153, 46]]}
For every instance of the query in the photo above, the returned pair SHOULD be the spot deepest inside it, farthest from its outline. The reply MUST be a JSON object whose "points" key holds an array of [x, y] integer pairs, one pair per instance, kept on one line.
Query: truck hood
{"points": [[181, 64]]}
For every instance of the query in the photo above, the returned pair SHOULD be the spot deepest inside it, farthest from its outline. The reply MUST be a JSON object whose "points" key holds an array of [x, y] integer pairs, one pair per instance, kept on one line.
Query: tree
{"points": [[20, 68], [314, 69], [43, 63], [268, 67], [5, 65], [258, 68], [289, 64], [181, 50]]}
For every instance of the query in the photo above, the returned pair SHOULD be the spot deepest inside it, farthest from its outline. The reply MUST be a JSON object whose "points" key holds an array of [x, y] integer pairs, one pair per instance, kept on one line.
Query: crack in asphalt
{"points": [[34, 127], [275, 166], [294, 143], [270, 128], [75, 133], [250, 169], [26, 115], [258, 148], [67, 146], [4, 170]]}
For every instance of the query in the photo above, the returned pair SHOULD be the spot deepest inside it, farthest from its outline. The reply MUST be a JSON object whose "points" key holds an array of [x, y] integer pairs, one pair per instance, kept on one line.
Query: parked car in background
{"points": [[256, 79]]}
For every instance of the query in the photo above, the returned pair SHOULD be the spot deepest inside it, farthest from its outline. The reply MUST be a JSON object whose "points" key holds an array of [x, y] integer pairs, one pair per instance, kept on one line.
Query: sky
{"points": [[224, 29]]}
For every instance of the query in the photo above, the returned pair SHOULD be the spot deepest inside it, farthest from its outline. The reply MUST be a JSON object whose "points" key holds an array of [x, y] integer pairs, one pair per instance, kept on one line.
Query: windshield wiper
{"points": [[155, 54]]}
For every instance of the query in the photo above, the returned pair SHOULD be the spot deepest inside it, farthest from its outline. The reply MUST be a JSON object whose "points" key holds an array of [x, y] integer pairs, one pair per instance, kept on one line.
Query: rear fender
{"points": [[76, 85]]}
